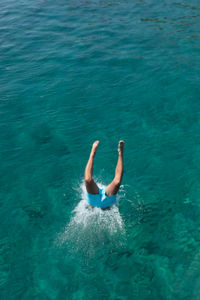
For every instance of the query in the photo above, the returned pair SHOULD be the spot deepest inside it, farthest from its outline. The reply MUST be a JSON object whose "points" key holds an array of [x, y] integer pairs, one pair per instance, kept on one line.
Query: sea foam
{"points": [[90, 227]]}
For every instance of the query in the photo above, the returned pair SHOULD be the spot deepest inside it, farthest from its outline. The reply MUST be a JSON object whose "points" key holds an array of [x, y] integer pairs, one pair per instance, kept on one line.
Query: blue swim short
{"points": [[101, 199]]}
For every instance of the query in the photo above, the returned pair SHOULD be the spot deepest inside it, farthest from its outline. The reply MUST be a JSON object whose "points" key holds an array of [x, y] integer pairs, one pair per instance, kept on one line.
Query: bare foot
{"points": [[121, 147], [94, 148]]}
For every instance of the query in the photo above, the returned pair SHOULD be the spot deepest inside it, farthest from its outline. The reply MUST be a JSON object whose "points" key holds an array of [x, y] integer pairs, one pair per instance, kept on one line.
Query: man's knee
{"points": [[117, 182], [88, 180]]}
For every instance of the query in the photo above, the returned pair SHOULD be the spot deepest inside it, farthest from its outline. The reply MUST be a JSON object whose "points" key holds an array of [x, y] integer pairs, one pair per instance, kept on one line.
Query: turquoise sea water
{"points": [[73, 72]]}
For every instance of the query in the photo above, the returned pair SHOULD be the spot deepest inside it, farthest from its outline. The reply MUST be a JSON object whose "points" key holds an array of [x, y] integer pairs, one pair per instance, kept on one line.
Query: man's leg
{"points": [[113, 187], [91, 186]]}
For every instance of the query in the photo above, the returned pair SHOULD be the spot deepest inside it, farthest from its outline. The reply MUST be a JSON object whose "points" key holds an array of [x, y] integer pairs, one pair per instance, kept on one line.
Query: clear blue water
{"points": [[73, 72]]}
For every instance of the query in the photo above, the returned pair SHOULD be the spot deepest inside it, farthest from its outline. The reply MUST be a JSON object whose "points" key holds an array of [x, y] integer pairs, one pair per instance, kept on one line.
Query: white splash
{"points": [[90, 228]]}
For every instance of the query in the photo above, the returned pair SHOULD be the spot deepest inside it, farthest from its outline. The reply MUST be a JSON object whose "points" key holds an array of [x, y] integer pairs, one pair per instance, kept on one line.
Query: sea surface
{"points": [[72, 72]]}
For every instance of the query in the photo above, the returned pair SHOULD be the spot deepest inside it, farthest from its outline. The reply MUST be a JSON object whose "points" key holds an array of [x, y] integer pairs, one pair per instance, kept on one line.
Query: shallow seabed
{"points": [[73, 72]]}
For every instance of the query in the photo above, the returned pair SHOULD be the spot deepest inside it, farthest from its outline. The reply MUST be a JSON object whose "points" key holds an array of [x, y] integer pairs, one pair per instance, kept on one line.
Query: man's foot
{"points": [[121, 147], [94, 148]]}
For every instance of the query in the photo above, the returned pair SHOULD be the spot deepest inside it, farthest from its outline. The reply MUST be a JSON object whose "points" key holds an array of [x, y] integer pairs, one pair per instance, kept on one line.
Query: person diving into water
{"points": [[105, 197]]}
